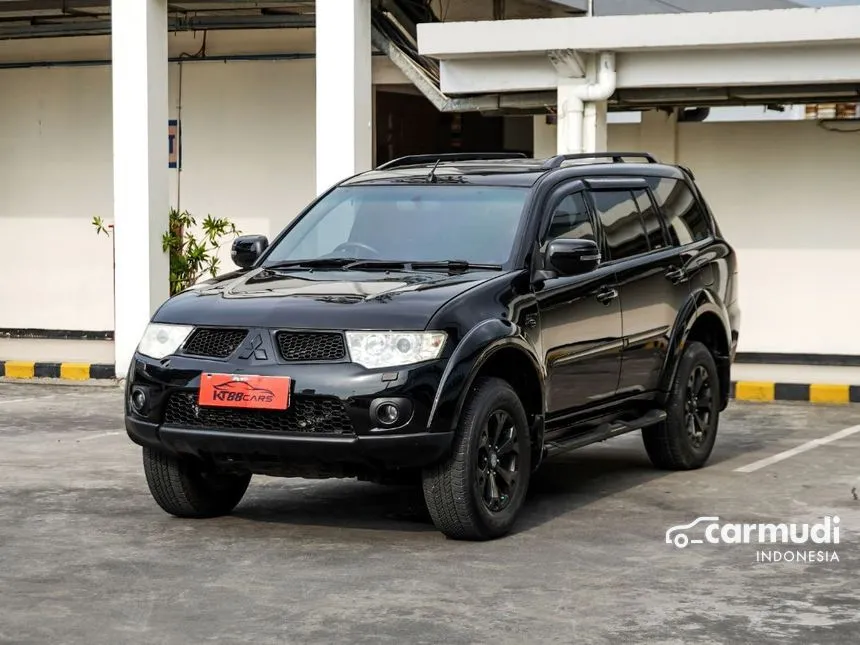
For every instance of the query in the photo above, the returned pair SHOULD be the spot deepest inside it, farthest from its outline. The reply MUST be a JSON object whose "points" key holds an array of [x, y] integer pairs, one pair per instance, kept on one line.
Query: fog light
{"points": [[388, 414], [138, 399]]}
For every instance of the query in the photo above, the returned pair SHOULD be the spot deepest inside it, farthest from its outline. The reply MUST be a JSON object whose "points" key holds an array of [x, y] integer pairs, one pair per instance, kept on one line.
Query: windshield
{"points": [[429, 223]]}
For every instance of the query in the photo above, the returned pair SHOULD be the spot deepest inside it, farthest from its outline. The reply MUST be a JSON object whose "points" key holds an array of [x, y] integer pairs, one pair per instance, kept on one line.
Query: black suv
{"points": [[449, 319]]}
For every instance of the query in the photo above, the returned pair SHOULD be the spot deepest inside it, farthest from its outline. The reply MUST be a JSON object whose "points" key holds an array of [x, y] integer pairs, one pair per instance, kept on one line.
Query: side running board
{"points": [[604, 432]]}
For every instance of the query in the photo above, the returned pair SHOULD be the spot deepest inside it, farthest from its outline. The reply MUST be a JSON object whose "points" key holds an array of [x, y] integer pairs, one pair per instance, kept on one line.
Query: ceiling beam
{"points": [[184, 23]]}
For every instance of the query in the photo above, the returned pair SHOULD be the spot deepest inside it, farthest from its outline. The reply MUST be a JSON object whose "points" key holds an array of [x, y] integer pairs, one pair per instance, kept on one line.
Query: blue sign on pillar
{"points": [[175, 144]]}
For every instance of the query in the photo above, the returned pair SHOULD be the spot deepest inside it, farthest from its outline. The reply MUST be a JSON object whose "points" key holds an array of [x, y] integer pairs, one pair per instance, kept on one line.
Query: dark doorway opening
{"points": [[407, 123]]}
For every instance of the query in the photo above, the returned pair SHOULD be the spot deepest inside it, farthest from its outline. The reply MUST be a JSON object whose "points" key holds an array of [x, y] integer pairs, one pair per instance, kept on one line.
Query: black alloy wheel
{"points": [[478, 491], [498, 462], [685, 440], [698, 407]]}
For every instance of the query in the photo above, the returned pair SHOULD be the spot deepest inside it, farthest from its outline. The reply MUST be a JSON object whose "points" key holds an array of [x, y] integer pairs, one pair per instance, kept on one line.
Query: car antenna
{"points": [[431, 178]]}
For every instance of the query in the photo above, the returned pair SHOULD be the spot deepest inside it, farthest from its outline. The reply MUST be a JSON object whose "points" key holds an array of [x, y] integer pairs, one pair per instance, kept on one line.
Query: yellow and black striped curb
{"points": [[809, 392], [65, 371], [740, 390]]}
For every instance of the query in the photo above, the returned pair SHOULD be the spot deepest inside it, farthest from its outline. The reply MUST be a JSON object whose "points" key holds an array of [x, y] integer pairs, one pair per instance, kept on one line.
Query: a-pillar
{"points": [[140, 166], [658, 135], [344, 94]]}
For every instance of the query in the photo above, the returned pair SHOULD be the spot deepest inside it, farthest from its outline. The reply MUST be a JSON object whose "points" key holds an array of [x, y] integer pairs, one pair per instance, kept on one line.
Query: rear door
{"points": [[652, 284], [580, 315], [688, 227]]}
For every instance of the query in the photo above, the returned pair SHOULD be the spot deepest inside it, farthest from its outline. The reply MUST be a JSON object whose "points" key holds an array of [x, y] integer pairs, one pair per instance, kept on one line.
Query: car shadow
{"points": [[561, 485], [344, 503]]}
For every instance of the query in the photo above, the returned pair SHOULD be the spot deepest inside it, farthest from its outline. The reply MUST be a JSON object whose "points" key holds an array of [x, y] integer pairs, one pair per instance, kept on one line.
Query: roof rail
{"points": [[412, 160], [618, 157]]}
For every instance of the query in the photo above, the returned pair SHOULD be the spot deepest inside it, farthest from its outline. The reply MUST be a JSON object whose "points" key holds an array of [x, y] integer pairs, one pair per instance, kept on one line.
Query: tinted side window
{"points": [[687, 221], [570, 220], [651, 219], [621, 223]]}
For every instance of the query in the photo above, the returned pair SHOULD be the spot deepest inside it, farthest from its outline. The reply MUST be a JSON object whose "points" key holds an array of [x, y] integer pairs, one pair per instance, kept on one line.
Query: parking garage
{"points": [[264, 104], [247, 110]]}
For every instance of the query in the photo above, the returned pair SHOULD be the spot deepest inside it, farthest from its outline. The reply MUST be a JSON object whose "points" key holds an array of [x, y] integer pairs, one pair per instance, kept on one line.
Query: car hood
{"points": [[330, 299]]}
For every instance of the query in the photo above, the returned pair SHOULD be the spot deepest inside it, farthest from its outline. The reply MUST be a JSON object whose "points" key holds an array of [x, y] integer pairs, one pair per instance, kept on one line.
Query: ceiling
{"points": [[635, 7], [41, 18]]}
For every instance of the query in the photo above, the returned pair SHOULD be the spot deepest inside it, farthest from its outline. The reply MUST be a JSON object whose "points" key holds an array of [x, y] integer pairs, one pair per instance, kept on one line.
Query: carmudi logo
{"points": [[709, 530]]}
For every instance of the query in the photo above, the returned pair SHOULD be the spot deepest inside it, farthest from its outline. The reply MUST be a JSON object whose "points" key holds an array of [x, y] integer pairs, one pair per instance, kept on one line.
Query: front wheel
{"points": [[477, 493], [684, 441], [185, 488]]}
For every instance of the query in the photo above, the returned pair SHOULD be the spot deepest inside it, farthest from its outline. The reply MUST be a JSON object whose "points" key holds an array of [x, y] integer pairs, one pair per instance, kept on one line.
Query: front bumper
{"points": [[242, 446], [355, 437]]}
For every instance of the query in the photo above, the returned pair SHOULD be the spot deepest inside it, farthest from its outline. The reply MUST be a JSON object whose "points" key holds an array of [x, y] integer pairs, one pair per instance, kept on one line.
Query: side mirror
{"points": [[573, 257], [247, 249]]}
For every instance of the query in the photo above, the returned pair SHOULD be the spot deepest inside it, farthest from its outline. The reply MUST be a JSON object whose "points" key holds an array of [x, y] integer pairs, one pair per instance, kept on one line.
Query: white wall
{"points": [[785, 194], [247, 154], [55, 175], [783, 191]]}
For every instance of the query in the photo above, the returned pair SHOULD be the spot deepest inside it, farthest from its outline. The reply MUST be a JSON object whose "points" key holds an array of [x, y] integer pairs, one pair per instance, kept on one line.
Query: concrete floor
{"points": [[87, 557]]}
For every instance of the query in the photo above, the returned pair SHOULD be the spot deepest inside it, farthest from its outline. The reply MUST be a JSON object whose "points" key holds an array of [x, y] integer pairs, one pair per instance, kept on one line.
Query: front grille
{"points": [[306, 414], [311, 346], [214, 343]]}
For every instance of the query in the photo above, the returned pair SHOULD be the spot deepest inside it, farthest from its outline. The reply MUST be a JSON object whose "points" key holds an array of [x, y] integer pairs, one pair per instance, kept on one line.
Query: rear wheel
{"points": [[477, 493], [685, 440], [185, 488]]}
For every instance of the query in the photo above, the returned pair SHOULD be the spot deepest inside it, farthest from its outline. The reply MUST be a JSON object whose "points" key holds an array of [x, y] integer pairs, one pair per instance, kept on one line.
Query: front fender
{"points": [[476, 348]]}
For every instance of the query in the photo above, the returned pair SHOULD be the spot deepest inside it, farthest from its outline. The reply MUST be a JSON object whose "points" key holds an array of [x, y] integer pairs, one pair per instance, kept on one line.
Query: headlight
{"points": [[162, 340], [374, 349]]}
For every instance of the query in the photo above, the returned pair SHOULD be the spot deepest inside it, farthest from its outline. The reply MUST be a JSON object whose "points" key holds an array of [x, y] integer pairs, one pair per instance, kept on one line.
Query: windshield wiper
{"points": [[456, 266], [312, 263], [376, 264]]}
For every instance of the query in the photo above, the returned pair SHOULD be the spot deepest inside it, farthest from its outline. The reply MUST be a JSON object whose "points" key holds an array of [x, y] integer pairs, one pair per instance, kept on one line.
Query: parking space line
{"points": [[100, 435], [32, 398], [29, 399], [809, 445]]}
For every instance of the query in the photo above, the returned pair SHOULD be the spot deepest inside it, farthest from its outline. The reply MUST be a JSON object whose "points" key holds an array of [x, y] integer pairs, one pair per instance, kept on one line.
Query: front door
{"points": [[580, 317], [652, 285]]}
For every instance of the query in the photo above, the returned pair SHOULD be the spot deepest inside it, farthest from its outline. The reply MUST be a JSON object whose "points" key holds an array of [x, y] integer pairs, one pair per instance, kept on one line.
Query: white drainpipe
{"points": [[571, 103]]}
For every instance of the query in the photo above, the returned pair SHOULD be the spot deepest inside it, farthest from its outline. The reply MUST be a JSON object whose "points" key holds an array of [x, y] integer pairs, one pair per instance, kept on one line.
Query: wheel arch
{"points": [[493, 348], [705, 319]]}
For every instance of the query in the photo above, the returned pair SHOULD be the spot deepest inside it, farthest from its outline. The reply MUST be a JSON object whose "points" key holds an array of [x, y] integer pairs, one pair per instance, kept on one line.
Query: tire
{"points": [[459, 491], [685, 440], [184, 489]]}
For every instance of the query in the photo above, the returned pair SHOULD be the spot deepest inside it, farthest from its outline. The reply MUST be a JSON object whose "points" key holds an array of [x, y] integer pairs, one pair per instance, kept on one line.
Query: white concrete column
{"points": [[583, 88], [140, 158], [570, 116], [544, 137], [344, 112], [658, 135], [594, 132]]}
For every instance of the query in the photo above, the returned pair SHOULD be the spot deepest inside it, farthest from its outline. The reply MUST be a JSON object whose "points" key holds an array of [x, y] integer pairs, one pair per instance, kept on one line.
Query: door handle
{"points": [[676, 275], [607, 295]]}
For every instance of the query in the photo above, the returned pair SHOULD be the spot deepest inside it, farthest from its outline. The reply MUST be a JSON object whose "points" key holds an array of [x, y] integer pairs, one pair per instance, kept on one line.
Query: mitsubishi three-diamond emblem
{"points": [[253, 347]]}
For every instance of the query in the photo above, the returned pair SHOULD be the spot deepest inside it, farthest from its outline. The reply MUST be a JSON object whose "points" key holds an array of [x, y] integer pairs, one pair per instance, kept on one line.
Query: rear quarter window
{"points": [[686, 218]]}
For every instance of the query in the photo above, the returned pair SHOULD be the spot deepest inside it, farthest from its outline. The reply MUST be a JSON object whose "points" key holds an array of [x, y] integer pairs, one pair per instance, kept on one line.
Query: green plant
{"points": [[191, 257]]}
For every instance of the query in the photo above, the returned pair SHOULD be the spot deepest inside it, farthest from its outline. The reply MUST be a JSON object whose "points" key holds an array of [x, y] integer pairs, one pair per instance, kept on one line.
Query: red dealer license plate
{"points": [[245, 391]]}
